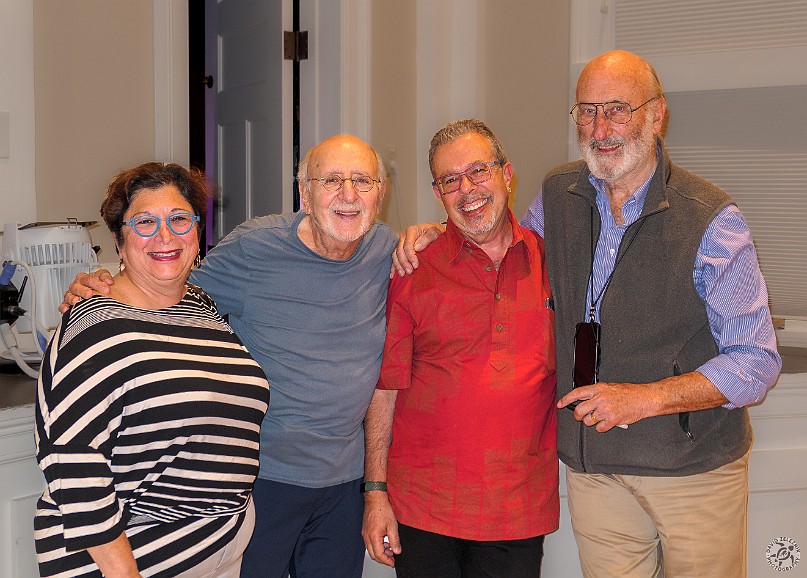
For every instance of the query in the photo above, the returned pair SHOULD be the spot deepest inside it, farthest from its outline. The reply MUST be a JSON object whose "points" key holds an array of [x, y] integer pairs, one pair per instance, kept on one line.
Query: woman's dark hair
{"points": [[149, 176]]}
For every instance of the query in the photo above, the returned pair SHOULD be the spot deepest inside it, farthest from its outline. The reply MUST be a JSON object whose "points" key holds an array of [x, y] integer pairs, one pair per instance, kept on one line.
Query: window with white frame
{"points": [[735, 78]]}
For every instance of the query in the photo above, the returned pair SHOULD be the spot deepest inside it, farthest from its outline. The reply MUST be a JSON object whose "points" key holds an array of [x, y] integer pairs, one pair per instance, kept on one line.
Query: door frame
{"points": [[171, 78]]}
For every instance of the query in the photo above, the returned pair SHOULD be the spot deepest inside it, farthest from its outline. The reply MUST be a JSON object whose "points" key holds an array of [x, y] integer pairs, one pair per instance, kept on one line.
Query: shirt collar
{"points": [[456, 241], [635, 202]]}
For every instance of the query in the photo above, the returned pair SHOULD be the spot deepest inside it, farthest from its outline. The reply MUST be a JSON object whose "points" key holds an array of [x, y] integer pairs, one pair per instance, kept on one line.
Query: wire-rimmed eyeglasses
{"points": [[583, 113], [148, 225], [333, 182], [477, 174]]}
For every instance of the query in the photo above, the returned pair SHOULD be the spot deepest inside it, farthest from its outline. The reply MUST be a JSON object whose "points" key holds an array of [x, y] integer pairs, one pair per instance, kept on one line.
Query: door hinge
{"points": [[295, 45]]}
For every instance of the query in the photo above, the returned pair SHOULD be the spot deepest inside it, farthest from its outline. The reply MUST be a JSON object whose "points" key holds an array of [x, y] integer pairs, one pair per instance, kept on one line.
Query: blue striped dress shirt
{"points": [[727, 277]]}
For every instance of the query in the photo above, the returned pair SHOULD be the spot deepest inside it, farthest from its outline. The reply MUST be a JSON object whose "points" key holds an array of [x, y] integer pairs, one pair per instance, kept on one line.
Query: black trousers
{"points": [[428, 555]]}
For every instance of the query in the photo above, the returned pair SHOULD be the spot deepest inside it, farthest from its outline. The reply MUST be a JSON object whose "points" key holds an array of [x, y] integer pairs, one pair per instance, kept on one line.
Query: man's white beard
{"points": [[633, 151]]}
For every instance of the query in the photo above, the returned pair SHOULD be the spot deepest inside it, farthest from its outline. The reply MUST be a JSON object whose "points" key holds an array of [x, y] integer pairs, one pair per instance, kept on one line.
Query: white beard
{"points": [[349, 236], [633, 151]]}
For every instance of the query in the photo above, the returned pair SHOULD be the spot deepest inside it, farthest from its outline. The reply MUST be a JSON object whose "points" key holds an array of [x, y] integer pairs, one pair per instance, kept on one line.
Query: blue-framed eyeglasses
{"points": [[148, 225]]}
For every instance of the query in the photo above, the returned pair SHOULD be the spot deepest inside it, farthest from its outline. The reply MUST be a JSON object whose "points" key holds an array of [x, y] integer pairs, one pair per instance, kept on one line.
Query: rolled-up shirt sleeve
{"points": [[728, 278]]}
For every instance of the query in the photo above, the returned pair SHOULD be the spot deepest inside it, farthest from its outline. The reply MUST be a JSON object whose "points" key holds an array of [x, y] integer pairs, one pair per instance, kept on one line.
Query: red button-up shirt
{"points": [[472, 351]]}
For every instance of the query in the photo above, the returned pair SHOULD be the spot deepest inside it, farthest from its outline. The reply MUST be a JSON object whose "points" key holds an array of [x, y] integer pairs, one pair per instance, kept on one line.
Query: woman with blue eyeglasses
{"points": [[149, 408]]}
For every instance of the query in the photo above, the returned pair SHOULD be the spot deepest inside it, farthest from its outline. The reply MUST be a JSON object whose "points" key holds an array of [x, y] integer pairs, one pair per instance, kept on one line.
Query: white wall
{"points": [[95, 116], [77, 78], [503, 61], [21, 484], [17, 188], [95, 103]]}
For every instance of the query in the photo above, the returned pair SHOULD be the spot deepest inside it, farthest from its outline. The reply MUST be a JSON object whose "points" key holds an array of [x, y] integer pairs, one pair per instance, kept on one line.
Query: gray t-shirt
{"points": [[316, 326]]}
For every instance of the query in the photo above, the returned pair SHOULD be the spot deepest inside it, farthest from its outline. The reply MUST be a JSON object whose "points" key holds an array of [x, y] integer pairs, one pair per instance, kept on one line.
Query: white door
{"points": [[253, 119], [253, 164]]}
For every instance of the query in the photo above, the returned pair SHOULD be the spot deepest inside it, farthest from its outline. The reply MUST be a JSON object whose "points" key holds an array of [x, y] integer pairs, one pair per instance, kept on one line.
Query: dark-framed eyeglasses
{"points": [[477, 174], [333, 182], [583, 113], [148, 225]]}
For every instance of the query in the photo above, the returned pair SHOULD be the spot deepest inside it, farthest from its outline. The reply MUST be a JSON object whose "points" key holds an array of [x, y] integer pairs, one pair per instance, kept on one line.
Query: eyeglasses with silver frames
{"points": [[583, 113], [333, 182]]}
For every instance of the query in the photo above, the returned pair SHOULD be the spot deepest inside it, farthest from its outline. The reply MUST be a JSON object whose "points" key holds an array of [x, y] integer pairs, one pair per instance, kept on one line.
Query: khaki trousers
{"points": [[226, 563], [635, 526]]}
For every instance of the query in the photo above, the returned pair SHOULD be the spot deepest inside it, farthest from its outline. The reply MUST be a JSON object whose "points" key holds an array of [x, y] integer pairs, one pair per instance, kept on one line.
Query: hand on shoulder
{"points": [[414, 239], [84, 286]]}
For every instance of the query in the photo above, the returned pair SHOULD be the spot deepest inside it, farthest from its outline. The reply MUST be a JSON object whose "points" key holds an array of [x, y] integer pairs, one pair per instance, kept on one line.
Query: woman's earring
{"points": [[197, 261], [121, 266]]}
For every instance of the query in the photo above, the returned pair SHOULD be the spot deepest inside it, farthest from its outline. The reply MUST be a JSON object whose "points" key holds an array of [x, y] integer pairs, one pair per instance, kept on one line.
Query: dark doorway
{"points": [[199, 82]]}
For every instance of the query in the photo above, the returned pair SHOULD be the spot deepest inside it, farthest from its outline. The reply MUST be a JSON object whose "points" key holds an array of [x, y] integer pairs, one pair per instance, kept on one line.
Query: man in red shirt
{"points": [[461, 466]]}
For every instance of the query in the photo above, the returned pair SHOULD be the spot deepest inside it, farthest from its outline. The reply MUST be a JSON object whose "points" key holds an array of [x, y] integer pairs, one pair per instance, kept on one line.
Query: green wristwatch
{"points": [[371, 486]]}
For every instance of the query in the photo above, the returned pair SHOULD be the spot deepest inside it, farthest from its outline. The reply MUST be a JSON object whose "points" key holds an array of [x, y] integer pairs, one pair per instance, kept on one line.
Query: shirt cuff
{"points": [[740, 386]]}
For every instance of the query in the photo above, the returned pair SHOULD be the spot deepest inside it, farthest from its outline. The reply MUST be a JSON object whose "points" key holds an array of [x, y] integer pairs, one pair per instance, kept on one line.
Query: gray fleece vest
{"points": [[654, 323]]}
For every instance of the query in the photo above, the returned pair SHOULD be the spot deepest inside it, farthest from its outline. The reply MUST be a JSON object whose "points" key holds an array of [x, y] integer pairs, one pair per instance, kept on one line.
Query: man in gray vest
{"points": [[663, 326]]}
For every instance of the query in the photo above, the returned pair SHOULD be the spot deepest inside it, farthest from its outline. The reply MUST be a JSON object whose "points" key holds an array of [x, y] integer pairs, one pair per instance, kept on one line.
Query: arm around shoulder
{"points": [[84, 286], [414, 239]]}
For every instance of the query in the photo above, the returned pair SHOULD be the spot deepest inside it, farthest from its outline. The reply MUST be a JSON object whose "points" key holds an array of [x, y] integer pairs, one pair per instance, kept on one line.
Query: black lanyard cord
{"points": [[593, 307]]}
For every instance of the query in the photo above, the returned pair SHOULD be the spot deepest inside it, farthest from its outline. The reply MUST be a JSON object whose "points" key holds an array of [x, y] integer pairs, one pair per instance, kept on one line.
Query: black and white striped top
{"points": [[148, 422]]}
